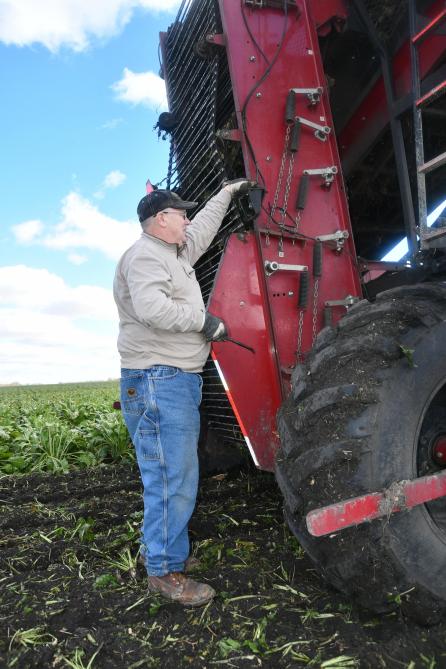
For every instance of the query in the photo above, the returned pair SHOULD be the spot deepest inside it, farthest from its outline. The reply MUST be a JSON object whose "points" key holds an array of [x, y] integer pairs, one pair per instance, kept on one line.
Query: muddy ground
{"points": [[71, 594]]}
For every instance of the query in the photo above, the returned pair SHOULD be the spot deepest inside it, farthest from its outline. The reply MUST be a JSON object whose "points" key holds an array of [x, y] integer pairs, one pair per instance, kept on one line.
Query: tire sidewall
{"points": [[405, 394]]}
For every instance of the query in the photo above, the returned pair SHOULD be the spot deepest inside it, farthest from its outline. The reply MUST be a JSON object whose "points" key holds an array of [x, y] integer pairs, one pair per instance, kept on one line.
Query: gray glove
{"points": [[238, 186], [214, 329]]}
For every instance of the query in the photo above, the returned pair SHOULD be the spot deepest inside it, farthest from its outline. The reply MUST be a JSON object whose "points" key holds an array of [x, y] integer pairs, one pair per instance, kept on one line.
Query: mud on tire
{"points": [[364, 412]]}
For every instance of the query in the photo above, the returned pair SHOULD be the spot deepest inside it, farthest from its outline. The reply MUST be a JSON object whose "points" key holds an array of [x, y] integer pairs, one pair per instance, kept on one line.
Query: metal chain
{"points": [[315, 296], [287, 188], [297, 220], [169, 169], [299, 336], [281, 170]]}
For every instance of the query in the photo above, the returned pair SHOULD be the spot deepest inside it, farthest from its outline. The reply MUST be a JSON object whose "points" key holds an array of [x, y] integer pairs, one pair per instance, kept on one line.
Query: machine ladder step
{"points": [[432, 95], [435, 23], [433, 164]]}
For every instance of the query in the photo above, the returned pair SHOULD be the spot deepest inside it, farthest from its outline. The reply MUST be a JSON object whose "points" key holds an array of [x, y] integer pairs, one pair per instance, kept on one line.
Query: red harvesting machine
{"points": [[331, 270]]}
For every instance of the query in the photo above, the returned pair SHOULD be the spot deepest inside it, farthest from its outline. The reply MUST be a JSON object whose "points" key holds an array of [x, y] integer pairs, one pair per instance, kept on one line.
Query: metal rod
{"points": [[396, 131]]}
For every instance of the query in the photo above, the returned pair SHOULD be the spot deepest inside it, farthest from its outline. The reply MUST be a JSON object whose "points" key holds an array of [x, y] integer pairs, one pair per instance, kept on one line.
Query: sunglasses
{"points": [[175, 211]]}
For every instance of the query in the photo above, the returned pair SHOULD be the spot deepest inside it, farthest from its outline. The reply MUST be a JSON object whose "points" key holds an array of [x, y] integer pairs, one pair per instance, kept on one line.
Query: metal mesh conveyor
{"points": [[201, 100]]}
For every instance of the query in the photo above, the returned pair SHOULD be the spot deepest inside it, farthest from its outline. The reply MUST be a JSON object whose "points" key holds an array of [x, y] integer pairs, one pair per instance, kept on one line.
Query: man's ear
{"points": [[161, 220]]}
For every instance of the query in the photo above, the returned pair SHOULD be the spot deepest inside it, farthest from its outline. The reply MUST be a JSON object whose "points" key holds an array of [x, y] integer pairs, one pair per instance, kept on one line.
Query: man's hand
{"points": [[238, 186], [214, 329]]}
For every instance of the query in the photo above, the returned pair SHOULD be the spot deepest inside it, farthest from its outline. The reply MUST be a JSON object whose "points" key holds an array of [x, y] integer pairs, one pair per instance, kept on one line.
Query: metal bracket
{"points": [[274, 4], [233, 135], [313, 94], [337, 237], [347, 302], [216, 38], [272, 266], [321, 131], [327, 173], [380, 265]]}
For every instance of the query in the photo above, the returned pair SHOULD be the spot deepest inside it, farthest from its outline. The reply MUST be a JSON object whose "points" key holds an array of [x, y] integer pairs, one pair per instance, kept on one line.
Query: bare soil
{"points": [[63, 575]]}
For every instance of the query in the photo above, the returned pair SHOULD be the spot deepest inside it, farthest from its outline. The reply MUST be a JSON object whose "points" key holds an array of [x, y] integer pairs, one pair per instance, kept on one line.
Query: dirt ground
{"points": [[72, 595]]}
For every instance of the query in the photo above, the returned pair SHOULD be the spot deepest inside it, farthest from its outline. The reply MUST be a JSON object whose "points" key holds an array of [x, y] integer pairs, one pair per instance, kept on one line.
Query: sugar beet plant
{"points": [[55, 428]]}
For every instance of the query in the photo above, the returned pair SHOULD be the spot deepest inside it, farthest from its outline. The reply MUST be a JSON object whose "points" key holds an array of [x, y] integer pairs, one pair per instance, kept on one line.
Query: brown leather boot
{"points": [[192, 564], [178, 588]]}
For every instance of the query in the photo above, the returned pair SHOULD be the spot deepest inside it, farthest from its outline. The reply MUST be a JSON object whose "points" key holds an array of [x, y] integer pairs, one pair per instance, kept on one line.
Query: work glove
{"points": [[238, 186], [214, 329]]}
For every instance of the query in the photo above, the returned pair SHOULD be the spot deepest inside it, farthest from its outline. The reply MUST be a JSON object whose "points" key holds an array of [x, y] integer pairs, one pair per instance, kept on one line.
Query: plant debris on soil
{"points": [[74, 595]]}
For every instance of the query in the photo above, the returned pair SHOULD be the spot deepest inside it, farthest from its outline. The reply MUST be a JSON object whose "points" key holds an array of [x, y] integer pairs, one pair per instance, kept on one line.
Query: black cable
{"points": [[248, 29], [256, 85]]}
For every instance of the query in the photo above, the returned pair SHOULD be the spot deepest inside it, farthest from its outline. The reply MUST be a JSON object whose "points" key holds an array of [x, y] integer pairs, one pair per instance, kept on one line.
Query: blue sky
{"points": [[80, 96]]}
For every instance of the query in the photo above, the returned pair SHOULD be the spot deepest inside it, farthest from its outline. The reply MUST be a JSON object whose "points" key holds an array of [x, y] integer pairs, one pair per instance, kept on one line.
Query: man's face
{"points": [[177, 223]]}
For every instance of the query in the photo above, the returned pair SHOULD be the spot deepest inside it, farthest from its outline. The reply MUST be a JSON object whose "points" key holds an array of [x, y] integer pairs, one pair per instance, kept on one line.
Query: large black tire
{"points": [[365, 411]]}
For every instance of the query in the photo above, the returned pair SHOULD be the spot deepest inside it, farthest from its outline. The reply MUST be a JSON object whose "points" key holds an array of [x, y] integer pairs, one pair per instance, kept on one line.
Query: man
{"points": [[164, 336]]}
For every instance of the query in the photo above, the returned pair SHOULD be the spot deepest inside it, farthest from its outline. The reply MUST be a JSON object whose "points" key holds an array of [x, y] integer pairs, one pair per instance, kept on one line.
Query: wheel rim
{"points": [[431, 452]]}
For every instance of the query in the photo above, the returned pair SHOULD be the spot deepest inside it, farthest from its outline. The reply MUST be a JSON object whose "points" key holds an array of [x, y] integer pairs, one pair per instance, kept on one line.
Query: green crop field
{"points": [[57, 427]]}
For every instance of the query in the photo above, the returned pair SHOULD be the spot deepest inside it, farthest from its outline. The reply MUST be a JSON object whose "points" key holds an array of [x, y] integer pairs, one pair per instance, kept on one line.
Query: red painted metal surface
{"points": [[371, 117], [253, 383], [328, 15], [269, 318], [399, 497]]}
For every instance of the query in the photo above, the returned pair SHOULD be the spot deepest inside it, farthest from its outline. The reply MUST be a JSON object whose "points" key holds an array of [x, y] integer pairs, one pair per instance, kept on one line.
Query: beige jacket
{"points": [[160, 306]]}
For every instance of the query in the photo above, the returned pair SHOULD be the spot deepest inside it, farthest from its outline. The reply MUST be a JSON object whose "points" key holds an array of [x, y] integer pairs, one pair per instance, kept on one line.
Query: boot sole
{"points": [[200, 602]]}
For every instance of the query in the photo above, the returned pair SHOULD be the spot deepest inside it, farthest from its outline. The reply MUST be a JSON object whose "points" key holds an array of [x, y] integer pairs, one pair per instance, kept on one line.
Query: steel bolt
{"points": [[269, 159], [252, 59], [258, 95]]}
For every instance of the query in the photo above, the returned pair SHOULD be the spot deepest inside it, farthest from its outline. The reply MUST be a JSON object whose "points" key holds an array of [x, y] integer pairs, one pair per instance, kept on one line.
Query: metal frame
{"points": [[396, 130]]}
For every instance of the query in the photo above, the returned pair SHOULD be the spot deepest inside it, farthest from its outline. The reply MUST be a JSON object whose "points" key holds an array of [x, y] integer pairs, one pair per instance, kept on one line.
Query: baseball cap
{"points": [[158, 200]]}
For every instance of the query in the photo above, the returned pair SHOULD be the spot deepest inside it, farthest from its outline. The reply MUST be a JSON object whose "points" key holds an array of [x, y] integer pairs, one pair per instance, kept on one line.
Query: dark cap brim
{"points": [[183, 204]]}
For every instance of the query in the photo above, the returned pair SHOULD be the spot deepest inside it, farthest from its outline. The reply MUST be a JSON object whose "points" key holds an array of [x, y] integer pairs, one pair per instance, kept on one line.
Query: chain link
{"points": [[287, 188], [299, 336], [315, 297], [169, 168], [297, 220], [281, 170]]}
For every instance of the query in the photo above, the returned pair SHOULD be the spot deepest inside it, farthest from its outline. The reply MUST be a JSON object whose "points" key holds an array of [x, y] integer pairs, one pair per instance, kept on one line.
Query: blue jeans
{"points": [[160, 406]]}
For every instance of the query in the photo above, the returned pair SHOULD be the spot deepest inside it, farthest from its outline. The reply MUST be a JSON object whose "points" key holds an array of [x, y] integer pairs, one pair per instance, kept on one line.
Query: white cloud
{"points": [[27, 231], [83, 226], [145, 88], [30, 288], [53, 332], [76, 259], [69, 23], [112, 180]]}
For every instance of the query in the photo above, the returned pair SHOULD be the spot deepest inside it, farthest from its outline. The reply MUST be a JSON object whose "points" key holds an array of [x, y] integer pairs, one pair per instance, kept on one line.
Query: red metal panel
{"points": [[252, 378], [272, 327], [371, 117], [399, 497], [329, 14]]}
